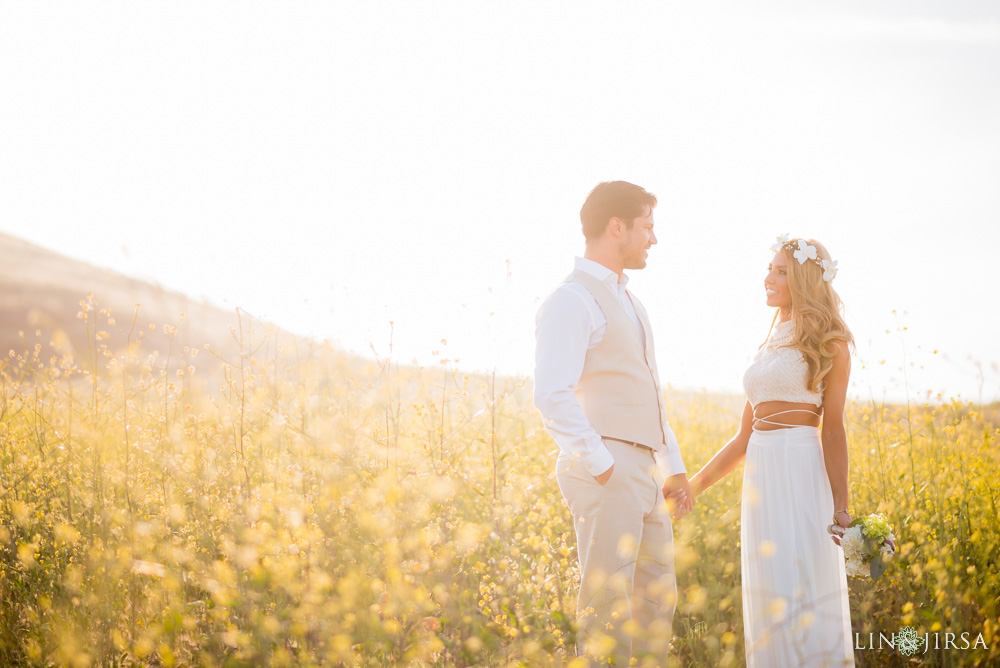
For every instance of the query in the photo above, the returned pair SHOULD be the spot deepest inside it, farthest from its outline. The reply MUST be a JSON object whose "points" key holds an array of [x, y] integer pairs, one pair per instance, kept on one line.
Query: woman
{"points": [[795, 606]]}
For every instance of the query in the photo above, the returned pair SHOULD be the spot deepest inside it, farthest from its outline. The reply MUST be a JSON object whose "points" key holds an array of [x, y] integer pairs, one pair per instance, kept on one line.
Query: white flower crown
{"points": [[802, 251]]}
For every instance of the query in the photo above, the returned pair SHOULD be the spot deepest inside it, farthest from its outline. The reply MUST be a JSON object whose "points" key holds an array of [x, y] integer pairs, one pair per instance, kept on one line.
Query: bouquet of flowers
{"points": [[868, 543]]}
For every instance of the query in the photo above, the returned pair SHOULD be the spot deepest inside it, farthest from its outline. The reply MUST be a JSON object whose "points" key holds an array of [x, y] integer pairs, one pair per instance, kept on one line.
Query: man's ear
{"points": [[616, 226]]}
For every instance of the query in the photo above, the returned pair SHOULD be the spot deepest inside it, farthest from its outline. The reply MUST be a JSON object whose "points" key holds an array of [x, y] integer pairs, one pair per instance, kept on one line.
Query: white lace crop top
{"points": [[779, 373]]}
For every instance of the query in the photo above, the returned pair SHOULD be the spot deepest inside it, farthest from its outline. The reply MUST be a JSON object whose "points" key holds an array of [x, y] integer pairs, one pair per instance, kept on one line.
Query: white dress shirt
{"points": [[568, 324]]}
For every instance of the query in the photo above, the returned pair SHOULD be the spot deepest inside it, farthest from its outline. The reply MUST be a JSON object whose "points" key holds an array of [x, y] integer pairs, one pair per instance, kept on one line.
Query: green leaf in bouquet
{"points": [[857, 521], [870, 550], [877, 567]]}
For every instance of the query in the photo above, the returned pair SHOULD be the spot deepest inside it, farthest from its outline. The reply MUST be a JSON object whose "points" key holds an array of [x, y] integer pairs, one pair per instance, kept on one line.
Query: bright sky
{"points": [[334, 166]]}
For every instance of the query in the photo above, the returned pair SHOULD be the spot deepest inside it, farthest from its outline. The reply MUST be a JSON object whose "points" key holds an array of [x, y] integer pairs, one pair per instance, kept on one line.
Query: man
{"points": [[598, 391]]}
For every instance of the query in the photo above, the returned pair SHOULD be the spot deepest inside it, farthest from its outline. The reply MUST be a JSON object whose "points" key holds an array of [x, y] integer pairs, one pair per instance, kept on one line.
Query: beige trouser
{"points": [[625, 546]]}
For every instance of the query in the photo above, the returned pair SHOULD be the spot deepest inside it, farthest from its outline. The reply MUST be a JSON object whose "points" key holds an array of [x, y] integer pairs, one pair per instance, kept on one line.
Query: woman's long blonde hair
{"points": [[817, 313]]}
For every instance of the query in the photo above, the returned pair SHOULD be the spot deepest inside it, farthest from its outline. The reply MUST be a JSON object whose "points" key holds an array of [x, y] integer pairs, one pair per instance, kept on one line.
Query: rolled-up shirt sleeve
{"points": [[669, 459], [563, 327]]}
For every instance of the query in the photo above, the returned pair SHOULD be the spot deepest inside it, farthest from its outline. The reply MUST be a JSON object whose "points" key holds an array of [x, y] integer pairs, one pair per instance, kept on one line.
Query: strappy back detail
{"points": [[766, 420]]}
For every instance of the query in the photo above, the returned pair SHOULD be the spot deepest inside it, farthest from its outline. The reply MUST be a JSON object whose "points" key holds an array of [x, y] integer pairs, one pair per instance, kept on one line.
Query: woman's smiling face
{"points": [[776, 283]]}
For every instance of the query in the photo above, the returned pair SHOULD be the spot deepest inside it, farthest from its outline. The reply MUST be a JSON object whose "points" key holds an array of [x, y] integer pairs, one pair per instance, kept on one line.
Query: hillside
{"points": [[42, 291]]}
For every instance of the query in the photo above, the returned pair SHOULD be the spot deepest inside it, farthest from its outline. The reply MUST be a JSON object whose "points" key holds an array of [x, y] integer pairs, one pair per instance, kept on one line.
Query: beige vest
{"points": [[619, 389]]}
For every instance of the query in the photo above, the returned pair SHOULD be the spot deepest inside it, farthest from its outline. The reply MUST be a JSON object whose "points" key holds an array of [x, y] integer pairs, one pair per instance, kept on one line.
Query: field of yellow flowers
{"points": [[298, 506]]}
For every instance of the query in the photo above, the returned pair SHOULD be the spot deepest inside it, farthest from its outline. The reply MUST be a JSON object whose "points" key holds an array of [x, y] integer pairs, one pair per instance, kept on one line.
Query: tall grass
{"points": [[298, 506]]}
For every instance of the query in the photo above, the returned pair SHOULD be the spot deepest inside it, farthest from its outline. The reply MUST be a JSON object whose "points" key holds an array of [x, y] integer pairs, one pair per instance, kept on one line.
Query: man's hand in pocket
{"points": [[604, 477]]}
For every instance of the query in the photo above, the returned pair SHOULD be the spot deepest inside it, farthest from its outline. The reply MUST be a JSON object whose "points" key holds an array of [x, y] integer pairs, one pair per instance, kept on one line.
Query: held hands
{"points": [[679, 495], [676, 490]]}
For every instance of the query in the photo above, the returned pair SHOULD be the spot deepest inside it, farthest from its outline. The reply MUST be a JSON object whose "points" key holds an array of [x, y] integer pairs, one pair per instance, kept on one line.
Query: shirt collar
{"points": [[602, 273]]}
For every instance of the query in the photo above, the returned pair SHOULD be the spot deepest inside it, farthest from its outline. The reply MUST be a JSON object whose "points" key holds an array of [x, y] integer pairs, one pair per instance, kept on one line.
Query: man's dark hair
{"points": [[613, 199]]}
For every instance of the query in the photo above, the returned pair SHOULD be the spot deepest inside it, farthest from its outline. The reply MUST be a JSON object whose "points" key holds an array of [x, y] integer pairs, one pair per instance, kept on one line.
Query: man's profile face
{"points": [[635, 242]]}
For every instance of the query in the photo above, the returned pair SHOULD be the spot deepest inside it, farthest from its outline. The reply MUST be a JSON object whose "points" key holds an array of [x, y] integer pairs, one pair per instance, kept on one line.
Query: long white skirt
{"points": [[795, 607]]}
